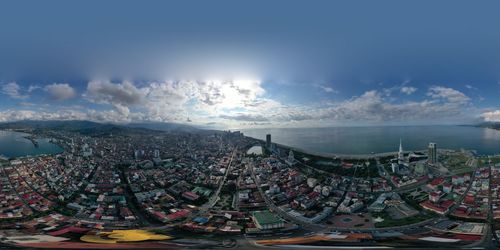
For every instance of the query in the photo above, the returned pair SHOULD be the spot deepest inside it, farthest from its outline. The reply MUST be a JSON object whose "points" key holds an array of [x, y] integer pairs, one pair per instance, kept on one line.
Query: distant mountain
{"points": [[89, 127], [63, 125], [492, 125], [164, 126]]}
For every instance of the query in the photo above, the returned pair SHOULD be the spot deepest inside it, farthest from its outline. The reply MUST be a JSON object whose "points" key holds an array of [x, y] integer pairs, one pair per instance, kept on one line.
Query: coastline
{"points": [[357, 142], [33, 139], [350, 156], [335, 155], [332, 155]]}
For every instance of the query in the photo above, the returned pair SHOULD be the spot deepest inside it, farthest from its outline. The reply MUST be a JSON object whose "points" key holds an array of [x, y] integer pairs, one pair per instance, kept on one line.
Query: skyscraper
{"points": [[432, 153], [268, 141]]}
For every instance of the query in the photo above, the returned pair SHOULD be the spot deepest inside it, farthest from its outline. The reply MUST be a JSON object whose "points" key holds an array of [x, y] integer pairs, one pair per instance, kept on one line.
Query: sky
{"points": [[244, 64]]}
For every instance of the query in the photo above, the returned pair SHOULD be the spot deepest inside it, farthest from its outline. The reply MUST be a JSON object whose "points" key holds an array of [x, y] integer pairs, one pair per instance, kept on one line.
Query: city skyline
{"points": [[225, 124], [224, 65]]}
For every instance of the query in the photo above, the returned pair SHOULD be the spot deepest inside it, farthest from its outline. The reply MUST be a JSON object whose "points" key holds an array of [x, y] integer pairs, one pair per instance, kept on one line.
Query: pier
{"points": [[33, 140]]}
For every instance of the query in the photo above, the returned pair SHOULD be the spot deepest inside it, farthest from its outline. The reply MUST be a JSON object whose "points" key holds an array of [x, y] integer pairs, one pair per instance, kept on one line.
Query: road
{"points": [[488, 236], [215, 197], [459, 201]]}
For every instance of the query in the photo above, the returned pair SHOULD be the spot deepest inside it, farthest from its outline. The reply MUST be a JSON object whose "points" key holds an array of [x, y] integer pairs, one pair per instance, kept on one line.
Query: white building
{"points": [[311, 182]]}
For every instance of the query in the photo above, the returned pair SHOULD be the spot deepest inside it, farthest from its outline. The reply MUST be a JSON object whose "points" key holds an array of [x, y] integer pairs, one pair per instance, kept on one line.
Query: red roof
{"points": [[70, 229], [447, 204], [469, 199], [179, 214], [159, 214], [441, 207], [190, 196], [431, 206], [435, 194], [437, 181]]}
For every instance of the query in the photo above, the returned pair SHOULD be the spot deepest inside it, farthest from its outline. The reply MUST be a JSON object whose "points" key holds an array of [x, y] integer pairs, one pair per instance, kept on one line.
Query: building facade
{"points": [[432, 153]]}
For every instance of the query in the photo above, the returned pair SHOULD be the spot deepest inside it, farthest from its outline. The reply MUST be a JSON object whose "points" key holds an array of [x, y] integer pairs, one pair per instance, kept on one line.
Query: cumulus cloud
{"points": [[124, 93], [119, 95], [370, 107], [60, 91], [451, 95], [216, 95], [491, 116], [167, 101], [66, 114], [408, 90], [13, 90], [16, 115], [243, 102]]}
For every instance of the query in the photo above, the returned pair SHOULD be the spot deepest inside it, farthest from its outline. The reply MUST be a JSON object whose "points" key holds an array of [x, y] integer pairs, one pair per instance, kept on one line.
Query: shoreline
{"points": [[359, 156], [33, 139], [332, 155], [379, 141]]}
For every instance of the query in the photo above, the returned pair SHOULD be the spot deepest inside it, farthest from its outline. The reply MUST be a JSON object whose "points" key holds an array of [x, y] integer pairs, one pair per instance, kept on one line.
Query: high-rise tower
{"points": [[268, 141], [432, 153]]}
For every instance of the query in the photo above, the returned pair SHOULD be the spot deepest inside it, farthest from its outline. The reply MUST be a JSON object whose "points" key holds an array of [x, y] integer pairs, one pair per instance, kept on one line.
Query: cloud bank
{"points": [[241, 103]]}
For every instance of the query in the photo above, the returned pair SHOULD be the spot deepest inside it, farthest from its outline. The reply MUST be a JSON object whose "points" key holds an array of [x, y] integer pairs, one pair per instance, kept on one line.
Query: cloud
{"points": [[491, 116], [470, 87], [69, 114], [174, 100], [60, 91], [119, 95], [372, 107], [124, 93], [16, 115], [328, 89], [245, 117], [451, 95], [213, 96], [13, 90], [243, 103], [166, 101], [32, 88], [408, 90]]}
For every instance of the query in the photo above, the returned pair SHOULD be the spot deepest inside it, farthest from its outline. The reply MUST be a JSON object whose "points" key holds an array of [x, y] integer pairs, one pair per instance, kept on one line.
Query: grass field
{"points": [[389, 222]]}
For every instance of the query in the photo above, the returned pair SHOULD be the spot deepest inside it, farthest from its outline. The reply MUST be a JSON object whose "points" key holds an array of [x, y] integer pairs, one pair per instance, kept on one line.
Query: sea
{"points": [[369, 140], [13, 144], [332, 140]]}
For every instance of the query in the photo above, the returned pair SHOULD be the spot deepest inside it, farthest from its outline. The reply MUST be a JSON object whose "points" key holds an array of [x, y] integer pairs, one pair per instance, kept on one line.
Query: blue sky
{"points": [[251, 64]]}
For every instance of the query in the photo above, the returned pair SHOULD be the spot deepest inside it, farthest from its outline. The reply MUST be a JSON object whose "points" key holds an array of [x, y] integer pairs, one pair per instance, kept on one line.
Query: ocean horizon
{"points": [[361, 140]]}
